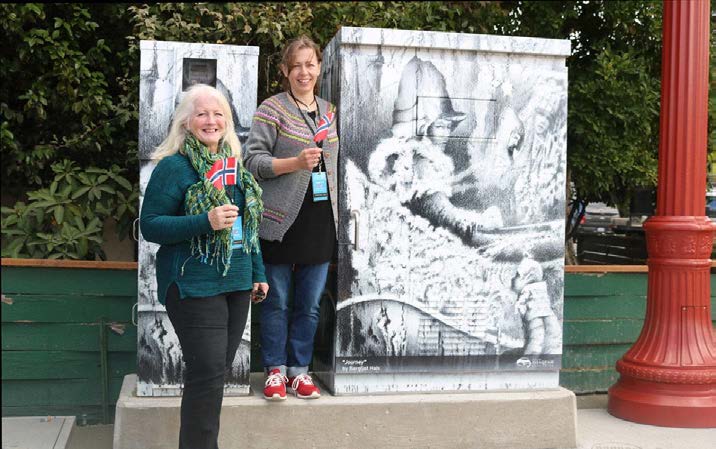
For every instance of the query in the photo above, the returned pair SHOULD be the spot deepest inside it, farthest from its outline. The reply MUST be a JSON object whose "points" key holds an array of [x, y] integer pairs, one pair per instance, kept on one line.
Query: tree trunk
{"points": [[570, 257]]}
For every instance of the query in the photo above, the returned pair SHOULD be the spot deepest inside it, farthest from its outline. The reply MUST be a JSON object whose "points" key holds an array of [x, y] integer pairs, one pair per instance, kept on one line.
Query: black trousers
{"points": [[209, 331]]}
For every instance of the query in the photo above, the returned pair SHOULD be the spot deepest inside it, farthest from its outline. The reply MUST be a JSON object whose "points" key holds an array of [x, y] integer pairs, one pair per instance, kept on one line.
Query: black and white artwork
{"points": [[451, 234], [233, 70]]}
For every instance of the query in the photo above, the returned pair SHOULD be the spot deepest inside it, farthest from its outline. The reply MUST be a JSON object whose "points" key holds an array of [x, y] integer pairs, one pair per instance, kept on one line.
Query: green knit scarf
{"points": [[203, 196]]}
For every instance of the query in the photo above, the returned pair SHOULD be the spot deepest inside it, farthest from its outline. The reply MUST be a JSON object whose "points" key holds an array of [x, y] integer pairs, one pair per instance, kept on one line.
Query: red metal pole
{"points": [[668, 378]]}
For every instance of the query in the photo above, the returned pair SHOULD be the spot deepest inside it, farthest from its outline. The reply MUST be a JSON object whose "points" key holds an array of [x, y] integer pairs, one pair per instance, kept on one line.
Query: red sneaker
{"points": [[303, 387], [275, 389]]}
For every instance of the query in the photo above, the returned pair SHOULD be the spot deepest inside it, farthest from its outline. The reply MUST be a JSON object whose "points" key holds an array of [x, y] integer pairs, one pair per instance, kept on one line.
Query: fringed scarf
{"points": [[203, 196]]}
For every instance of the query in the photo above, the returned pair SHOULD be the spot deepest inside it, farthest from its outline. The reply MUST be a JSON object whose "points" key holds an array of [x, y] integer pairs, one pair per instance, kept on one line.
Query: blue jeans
{"points": [[289, 343]]}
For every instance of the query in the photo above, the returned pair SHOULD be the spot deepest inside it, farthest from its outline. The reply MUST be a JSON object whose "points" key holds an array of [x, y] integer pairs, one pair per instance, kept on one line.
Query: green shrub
{"points": [[65, 220]]}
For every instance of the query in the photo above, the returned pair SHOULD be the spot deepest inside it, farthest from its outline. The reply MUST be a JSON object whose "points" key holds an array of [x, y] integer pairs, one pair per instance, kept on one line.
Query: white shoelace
{"points": [[305, 378], [275, 380]]}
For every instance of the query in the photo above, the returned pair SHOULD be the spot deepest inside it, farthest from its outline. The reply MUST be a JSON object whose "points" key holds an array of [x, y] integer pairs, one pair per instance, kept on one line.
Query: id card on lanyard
{"points": [[319, 180], [237, 229], [237, 234]]}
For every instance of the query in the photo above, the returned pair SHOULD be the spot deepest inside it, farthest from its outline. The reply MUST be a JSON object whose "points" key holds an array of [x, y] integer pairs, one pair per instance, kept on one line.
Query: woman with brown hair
{"points": [[292, 151]]}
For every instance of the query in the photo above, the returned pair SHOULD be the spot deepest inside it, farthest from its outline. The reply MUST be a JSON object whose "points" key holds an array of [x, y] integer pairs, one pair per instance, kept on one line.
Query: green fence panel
{"points": [[60, 392], [588, 380], [592, 356], [604, 284], [66, 308], [68, 281], [42, 365], [604, 307], [51, 336], [598, 332], [64, 336]]}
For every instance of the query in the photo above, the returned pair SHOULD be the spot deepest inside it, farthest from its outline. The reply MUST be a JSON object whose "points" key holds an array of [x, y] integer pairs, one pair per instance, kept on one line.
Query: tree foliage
{"points": [[65, 219], [270, 25], [70, 74], [614, 90], [62, 95]]}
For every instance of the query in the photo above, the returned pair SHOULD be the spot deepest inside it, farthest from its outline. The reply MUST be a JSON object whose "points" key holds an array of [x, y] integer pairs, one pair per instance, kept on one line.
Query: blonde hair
{"points": [[179, 128], [288, 54]]}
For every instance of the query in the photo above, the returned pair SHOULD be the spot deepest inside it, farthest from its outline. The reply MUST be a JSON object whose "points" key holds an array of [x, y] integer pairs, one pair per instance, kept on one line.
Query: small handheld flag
{"points": [[323, 125], [223, 172]]}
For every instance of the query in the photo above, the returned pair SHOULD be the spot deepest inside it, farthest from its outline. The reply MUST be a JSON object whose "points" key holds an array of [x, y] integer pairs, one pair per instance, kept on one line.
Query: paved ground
{"points": [[36, 432], [596, 430], [91, 437]]}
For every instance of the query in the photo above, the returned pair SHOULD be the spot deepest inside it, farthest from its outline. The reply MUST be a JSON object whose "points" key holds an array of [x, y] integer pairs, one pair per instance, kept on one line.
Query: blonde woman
{"points": [[205, 272]]}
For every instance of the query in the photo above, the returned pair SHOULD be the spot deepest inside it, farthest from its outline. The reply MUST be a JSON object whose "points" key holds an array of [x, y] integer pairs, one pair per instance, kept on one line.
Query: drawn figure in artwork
{"points": [[540, 162], [413, 162], [533, 305], [158, 356], [490, 176]]}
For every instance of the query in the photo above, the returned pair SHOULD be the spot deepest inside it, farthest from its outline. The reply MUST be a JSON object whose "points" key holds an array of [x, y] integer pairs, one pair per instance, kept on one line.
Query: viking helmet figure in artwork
{"points": [[423, 106]]}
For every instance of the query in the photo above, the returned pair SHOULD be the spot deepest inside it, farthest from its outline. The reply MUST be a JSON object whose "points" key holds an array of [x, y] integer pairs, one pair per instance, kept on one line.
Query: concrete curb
{"points": [[499, 420]]}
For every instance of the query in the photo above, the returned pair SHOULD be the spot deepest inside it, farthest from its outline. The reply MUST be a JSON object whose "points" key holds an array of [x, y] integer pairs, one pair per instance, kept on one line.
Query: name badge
{"points": [[237, 234], [319, 182]]}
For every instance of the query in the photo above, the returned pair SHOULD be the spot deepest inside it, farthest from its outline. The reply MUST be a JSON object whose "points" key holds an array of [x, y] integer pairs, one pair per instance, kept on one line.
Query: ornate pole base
{"points": [[668, 378], [662, 404]]}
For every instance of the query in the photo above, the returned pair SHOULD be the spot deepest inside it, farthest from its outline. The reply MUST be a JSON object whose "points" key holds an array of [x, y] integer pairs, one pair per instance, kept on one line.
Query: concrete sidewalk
{"points": [[596, 429], [36, 432]]}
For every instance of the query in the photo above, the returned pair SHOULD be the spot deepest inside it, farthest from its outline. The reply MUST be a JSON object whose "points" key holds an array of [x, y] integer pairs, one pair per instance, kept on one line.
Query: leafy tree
{"points": [[614, 90], [62, 94]]}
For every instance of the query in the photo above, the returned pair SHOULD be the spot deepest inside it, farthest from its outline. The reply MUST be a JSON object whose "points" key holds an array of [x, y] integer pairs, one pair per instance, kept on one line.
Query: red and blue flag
{"points": [[323, 125], [223, 173]]}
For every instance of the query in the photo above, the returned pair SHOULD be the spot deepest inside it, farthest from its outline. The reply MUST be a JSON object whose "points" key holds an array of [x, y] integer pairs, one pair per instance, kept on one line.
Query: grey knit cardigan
{"points": [[278, 131]]}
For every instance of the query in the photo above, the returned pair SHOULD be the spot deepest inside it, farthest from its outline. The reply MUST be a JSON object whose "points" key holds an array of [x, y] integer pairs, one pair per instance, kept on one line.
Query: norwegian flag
{"points": [[223, 172], [323, 125]]}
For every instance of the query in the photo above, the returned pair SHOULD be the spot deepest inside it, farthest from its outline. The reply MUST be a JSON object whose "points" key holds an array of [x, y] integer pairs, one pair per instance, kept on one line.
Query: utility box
{"points": [[450, 268], [167, 69]]}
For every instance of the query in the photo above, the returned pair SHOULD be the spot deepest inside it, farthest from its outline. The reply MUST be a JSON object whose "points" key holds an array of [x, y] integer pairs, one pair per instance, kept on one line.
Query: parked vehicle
{"points": [[598, 219]]}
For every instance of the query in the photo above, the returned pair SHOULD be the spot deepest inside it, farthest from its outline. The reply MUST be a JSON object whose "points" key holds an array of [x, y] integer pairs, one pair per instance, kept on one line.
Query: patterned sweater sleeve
{"points": [[258, 149], [162, 219]]}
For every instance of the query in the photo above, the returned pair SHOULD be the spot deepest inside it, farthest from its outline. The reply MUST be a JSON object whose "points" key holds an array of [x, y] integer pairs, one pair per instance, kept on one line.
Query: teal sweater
{"points": [[163, 221]]}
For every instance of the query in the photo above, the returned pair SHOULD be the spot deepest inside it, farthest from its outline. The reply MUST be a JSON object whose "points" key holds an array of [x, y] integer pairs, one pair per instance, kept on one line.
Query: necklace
{"points": [[307, 106]]}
